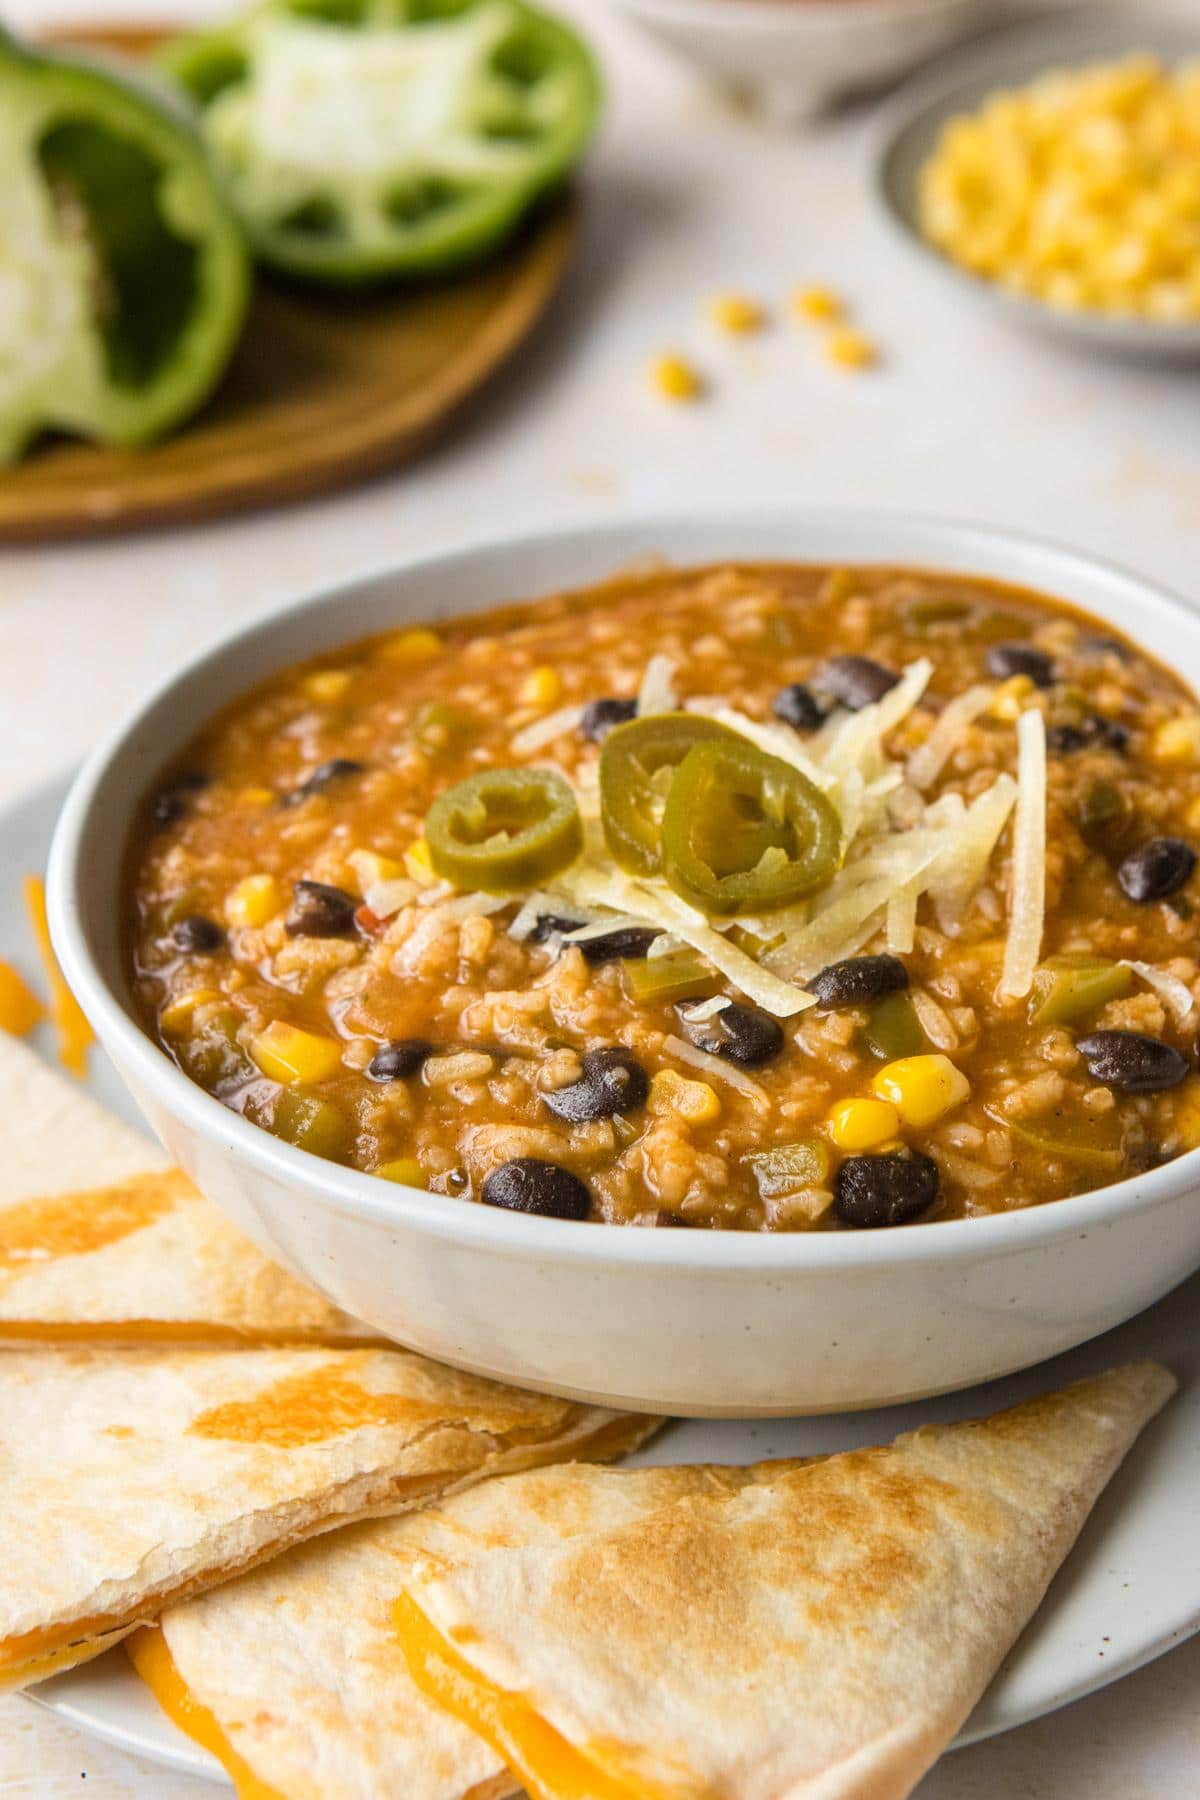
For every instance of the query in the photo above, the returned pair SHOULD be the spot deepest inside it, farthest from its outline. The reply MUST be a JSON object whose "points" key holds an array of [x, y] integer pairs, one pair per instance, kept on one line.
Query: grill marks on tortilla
{"points": [[38, 1231]]}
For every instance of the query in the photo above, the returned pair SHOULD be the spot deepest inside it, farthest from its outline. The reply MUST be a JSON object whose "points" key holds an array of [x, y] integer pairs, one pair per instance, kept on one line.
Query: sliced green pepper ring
{"points": [[364, 140], [125, 273], [504, 830], [637, 764], [744, 830]]}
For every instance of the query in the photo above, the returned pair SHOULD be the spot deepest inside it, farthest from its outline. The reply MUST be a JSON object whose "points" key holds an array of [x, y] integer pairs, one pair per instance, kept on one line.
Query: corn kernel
{"points": [[820, 305], [289, 1055], [737, 314], [414, 646], [1186, 1113], [327, 685], [418, 863], [1011, 695], [922, 1088], [541, 687], [404, 1169], [1192, 815], [1079, 189], [254, 796], [369, 868], [850, 350], [863, 1124], [693, 1101], [676, 379], [1178, 741], [253, 901], [176, 1016]]}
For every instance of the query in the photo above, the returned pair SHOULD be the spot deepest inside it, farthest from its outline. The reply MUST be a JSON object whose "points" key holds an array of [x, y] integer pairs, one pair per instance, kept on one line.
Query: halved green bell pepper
{"points": [[367, 139], [124, 276]]}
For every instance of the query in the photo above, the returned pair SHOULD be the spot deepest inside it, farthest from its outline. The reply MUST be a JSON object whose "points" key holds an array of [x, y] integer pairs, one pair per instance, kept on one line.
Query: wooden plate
{"points": [[323, 389]]}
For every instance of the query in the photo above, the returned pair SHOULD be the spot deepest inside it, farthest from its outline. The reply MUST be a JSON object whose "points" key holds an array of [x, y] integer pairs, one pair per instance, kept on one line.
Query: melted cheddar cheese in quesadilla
{"points": [[292, 1675], [101, 1241], [136, 1478], [820, 1634]]}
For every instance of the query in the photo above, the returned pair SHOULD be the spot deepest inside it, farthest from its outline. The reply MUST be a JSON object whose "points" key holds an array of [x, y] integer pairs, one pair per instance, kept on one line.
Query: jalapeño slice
{"points": [[504, 830], [746, 831], [637, 764]]}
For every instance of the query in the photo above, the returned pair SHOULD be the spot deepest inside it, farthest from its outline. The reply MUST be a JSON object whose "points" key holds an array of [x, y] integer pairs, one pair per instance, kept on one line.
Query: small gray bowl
{"points": [[961, 82]]}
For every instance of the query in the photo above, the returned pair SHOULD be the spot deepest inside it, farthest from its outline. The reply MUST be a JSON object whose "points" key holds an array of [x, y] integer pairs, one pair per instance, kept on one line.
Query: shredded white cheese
{"points": [[926, 763], [902, 920], [1175, 993], [657, 905], [657, 692], [544, 731], [385, 898], [1027, 907], [717, 1070], [708, 1009]]}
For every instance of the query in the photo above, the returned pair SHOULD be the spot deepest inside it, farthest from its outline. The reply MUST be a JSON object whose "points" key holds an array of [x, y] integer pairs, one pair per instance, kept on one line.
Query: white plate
{"points": [[1130, 1590], [960, 82]]}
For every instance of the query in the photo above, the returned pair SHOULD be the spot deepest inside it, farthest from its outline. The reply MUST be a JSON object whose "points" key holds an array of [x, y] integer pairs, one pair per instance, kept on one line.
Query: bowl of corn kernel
{"points": [[1058, 172]]}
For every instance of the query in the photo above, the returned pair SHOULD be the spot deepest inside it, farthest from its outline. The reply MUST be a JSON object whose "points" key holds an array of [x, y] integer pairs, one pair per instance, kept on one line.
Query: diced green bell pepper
{"points": [[893, 1029], [790, 1167], [124, 276], [1068, 989], [368, 139]]}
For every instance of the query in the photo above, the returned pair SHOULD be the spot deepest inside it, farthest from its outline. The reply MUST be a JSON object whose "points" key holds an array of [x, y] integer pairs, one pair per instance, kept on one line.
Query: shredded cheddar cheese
{"points": [[75, 1035]]}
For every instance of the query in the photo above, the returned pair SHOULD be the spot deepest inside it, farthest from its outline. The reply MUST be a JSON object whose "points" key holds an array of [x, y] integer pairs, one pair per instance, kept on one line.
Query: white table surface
{"points": [[685, 197]]}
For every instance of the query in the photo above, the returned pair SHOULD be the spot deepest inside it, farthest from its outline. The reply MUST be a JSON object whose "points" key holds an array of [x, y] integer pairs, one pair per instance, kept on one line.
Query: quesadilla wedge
{"points": [[101, 1241], [133, 1479], [817, 1636], [292, 1675]]}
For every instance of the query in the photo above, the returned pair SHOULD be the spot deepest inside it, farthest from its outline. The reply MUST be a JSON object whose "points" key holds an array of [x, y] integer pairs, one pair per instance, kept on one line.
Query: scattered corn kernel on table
{"points": [[698, 356]]}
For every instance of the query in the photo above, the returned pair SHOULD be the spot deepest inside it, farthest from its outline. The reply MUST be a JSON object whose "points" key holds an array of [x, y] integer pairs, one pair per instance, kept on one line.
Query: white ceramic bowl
{"points": [[796, 56], [674, 1321]]}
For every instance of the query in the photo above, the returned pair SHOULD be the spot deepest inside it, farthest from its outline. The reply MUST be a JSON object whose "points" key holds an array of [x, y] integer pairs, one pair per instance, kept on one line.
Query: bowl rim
{"points": [[471, 1225]]}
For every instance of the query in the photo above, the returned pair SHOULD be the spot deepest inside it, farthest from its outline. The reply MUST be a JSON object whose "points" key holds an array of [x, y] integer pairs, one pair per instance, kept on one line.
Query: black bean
{"points": [[625, 941], [889, 1189], [1132, 1061], [1007, 660], [326, 774], [529, 1185], [799, 707], [170, 805], [856, 681], [319, 910], [1108, 732], [741, 1034], [1156, 869], [858, 981], [600, 716], [667, 1221], [1109, 646], [399, 1059], [613, 1081], [197, 936], [552, 925], [1065, 740]]}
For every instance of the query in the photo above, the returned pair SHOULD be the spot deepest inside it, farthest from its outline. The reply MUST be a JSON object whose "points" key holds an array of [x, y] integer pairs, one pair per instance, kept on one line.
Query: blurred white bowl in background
{"points": [[796, 56]]}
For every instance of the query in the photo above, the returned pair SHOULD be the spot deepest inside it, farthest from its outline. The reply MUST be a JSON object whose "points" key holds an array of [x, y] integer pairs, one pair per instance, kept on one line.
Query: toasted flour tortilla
{"points": [[132, 1479], [822, 1634], [102, 1241], [293, 1677]]}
